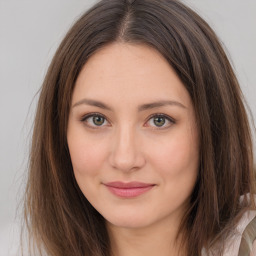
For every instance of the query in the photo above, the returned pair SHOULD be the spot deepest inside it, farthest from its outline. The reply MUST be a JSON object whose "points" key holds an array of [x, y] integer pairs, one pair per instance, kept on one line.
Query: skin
{"points": [[130, 145]]}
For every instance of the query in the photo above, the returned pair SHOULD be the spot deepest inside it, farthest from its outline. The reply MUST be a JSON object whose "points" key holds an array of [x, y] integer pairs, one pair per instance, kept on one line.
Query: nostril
{"points": [[127, 159], [126, 153]]}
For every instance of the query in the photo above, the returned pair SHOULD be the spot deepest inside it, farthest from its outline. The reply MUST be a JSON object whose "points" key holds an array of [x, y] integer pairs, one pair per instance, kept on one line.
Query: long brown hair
{"points": [[59, 218]]}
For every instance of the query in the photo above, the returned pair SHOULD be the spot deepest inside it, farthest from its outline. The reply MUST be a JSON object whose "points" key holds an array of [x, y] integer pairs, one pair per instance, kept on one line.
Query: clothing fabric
{"points": [[232, 247], [233, 244], [253, 253]]}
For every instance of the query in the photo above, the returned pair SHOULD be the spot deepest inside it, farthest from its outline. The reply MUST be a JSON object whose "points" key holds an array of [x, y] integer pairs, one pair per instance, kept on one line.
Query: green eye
{"points": [[94, 120], [98, 120], [159, 121]]}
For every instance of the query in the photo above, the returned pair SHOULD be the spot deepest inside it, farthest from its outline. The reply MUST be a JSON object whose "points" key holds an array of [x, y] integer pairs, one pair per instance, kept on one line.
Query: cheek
{"points": [[178, 155], [87, 156], [177, 165]]}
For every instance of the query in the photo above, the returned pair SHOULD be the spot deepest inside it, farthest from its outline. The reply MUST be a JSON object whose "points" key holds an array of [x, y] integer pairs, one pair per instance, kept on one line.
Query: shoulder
{"points": [[242, 239], [253, 249], [248, 238]]}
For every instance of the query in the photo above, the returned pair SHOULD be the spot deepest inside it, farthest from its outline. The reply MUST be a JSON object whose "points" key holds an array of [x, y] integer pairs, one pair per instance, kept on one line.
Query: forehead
{"points": [[128, 71]]}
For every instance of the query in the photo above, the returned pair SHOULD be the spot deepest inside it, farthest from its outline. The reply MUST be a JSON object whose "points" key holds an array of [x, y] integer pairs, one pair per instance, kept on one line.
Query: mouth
{"points": [[128, 190]]}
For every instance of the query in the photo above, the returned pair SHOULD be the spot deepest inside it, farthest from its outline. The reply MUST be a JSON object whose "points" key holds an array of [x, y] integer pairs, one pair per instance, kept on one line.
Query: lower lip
{"points": [[129, 192]]}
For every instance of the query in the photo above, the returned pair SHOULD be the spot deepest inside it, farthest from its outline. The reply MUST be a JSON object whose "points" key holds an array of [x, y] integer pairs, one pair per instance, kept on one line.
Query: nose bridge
{"points": [[126, 154]]}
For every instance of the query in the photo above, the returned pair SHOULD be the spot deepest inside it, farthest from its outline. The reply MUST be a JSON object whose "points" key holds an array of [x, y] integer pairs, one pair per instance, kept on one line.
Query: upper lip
{"points": [[133, 184]]}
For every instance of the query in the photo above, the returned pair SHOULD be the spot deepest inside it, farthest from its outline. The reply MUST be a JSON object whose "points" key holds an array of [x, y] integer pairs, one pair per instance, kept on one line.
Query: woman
{"points": [[141, 141]]}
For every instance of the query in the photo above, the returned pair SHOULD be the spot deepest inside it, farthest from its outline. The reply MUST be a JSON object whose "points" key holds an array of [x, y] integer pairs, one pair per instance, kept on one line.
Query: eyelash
{"points": [[167, 118], [85, 118]]}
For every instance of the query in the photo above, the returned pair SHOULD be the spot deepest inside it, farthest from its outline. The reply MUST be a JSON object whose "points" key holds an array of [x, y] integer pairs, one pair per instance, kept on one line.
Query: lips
{"points": [[128, 190]]}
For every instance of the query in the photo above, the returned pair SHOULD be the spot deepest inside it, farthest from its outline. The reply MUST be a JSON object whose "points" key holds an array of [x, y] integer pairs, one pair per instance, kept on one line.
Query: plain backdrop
{"points": [[30, 31]]}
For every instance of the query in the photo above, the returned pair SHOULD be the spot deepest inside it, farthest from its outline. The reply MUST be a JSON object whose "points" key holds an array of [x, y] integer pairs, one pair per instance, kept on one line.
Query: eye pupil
{"points": [[159, 121], [98, 120]]}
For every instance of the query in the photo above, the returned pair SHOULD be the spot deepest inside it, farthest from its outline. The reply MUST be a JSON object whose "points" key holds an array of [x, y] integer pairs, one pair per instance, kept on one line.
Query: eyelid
{"points": [[168, 118], [91, 114], [84, 117]]}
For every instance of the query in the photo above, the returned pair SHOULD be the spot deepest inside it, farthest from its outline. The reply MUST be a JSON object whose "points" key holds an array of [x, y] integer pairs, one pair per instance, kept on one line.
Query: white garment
{"points": [[253, 253], [233, 244]]}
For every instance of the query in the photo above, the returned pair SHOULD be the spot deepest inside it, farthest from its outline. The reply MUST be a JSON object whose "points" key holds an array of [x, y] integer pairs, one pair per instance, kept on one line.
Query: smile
{"points": [[128, 190]]}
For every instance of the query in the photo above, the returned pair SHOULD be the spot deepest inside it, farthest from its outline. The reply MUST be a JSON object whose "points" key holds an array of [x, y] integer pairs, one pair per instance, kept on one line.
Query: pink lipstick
{"points": [[128, 190]]}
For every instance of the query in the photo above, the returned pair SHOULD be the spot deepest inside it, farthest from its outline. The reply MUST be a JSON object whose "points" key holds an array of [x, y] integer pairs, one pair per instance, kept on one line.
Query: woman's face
{"points": [[133, 137]]}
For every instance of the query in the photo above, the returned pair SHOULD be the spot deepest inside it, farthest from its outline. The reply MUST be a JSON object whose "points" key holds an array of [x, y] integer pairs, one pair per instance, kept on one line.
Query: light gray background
{"points": [[30, 32]]}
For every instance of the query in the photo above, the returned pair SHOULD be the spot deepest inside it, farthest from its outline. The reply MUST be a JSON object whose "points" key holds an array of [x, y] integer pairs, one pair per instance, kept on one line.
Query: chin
{"points": [[130, 220], [128, 223]]}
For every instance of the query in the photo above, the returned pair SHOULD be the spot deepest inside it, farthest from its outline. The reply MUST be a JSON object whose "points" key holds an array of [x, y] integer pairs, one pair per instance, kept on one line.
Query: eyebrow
{"points": [[157, 104], [160, 103], [92, 103]]}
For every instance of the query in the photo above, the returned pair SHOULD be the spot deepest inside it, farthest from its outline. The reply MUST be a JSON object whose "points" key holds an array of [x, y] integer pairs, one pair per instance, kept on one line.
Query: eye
{"points": [[160, 121], [94, 120]]}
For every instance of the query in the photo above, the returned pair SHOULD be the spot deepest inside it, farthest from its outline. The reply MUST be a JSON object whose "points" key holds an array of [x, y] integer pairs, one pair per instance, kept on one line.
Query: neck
{"points": [[149, 241]]}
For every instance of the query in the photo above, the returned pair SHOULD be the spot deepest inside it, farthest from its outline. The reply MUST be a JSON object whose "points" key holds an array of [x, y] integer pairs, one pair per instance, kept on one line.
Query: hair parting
{"points": [[59, 218]]}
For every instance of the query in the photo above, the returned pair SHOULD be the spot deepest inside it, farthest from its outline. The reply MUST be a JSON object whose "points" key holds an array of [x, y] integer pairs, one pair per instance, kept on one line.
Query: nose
{"points": [[126, 154]]}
